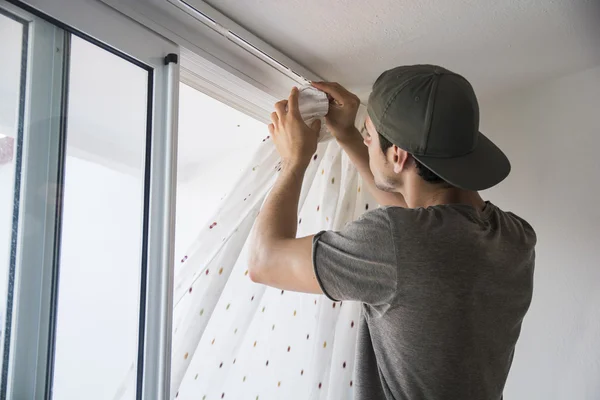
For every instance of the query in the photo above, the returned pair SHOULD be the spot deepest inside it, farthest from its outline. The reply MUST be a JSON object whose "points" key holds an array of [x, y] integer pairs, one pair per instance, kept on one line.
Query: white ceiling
{"points": [[498, 45]]}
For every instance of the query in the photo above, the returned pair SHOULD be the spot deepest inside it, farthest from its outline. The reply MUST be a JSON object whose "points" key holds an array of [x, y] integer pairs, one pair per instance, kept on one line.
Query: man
{"points": [[445, 278]]}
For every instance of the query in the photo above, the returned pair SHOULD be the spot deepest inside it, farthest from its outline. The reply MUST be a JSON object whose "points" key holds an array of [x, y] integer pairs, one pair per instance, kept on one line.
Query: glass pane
{"points": [[100, 264], [11, 47]]}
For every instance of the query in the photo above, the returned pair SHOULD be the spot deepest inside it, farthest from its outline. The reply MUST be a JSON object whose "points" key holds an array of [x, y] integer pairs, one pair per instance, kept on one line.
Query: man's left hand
{"points": [[295, 141]]}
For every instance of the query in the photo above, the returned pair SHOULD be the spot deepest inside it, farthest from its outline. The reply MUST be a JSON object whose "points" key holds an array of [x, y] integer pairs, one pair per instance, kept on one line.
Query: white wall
{"points": [[551, 134]]}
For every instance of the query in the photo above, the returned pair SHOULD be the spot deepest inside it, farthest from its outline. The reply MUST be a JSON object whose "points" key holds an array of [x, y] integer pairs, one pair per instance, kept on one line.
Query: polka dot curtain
{"points": [[234, 339]]}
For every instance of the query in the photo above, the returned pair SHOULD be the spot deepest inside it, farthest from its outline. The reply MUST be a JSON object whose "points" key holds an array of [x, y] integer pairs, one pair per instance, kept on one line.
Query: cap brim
{"points": [[481, 169]]}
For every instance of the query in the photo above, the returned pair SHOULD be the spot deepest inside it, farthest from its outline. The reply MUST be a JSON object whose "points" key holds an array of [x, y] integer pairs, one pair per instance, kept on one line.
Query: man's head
{"points": [[423, 120]]}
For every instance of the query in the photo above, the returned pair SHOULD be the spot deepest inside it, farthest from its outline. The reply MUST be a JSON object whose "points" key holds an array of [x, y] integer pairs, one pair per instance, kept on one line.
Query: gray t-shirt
{"points": [[444, 291]]}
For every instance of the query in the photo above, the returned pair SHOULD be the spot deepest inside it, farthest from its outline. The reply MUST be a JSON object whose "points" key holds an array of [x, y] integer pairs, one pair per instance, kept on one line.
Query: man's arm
{"points": [[341, 117], [277, 257]]}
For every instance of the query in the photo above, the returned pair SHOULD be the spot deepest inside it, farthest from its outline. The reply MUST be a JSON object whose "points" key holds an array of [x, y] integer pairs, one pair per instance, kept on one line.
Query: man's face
{"points": [[382, 165]]}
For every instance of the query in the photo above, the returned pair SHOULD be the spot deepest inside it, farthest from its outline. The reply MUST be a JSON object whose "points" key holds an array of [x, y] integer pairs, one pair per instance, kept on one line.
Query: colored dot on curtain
{"points": [[185, 356], [273, 328], [207, 271], [351, 383], [359, 189], [267, 364], [252, 299], [235, 331], [244, 380], [327, 219], [318, 208], [302, 372], [279, 384], [367, 206], [352, 324], [283, 291], [201, 312], [322, 172], [294, 313], [315, 301], [333, 305], [255, 344], [190, 290], [196, 377], [315, 157], [289, 348], [204, 397], [320, 384], [263, 309], [228, 305], [221, 365], [307, 336], [223, 395], [213, 341], [332, 180], [344, 364], [246, 273], [324, 344], [220, 270], [234, 360], [300, 221]]}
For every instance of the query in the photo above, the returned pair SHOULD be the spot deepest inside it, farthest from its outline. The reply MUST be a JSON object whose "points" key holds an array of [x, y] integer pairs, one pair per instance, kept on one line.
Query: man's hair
{"points": [[424, 172]]}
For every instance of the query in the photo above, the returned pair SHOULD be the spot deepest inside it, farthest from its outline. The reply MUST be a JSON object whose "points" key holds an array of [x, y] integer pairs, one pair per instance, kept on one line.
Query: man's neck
{"points": [[423, 194]]}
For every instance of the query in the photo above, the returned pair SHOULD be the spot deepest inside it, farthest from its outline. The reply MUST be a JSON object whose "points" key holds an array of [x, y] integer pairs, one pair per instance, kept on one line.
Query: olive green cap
{"points": [[433, 114]]}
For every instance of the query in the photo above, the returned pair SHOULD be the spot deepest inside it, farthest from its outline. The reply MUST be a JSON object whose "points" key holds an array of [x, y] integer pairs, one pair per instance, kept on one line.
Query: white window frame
{"points": [[34, 273], [31, 346]]}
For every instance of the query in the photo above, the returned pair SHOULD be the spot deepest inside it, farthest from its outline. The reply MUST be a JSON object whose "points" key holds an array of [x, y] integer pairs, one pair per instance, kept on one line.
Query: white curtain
{"points": [[236, 339]]}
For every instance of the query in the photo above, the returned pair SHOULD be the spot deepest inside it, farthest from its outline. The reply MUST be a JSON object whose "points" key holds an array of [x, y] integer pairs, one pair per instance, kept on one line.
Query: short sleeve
{"points": [[359, 262]]}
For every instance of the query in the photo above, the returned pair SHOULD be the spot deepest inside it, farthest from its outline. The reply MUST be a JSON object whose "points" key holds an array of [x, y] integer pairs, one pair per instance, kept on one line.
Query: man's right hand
{"points": [[343, 107]]}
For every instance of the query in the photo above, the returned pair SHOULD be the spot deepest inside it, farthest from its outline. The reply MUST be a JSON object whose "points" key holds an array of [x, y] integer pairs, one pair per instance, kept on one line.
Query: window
{"points": [[102, 227], [86, 164]]}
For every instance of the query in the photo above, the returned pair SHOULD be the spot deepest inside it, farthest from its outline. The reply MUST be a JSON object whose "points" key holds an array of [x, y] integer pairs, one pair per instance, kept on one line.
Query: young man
{"points": [[445, 278]]}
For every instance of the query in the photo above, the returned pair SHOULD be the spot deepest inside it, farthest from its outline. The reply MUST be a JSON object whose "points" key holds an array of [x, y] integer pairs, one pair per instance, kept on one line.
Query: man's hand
{"points": [[295, 141], [343, 107]]}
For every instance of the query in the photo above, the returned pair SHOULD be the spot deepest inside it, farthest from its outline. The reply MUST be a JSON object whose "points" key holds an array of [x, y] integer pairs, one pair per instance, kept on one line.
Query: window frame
{"points": [[36, 281]]}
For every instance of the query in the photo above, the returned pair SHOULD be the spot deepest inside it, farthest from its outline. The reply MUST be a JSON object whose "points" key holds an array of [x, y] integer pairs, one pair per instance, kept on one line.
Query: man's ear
{"points": [[400, 160]]}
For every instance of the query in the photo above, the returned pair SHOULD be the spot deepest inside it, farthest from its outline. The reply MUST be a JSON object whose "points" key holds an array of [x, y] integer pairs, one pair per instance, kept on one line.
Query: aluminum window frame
{"points": [[36, 285]]}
